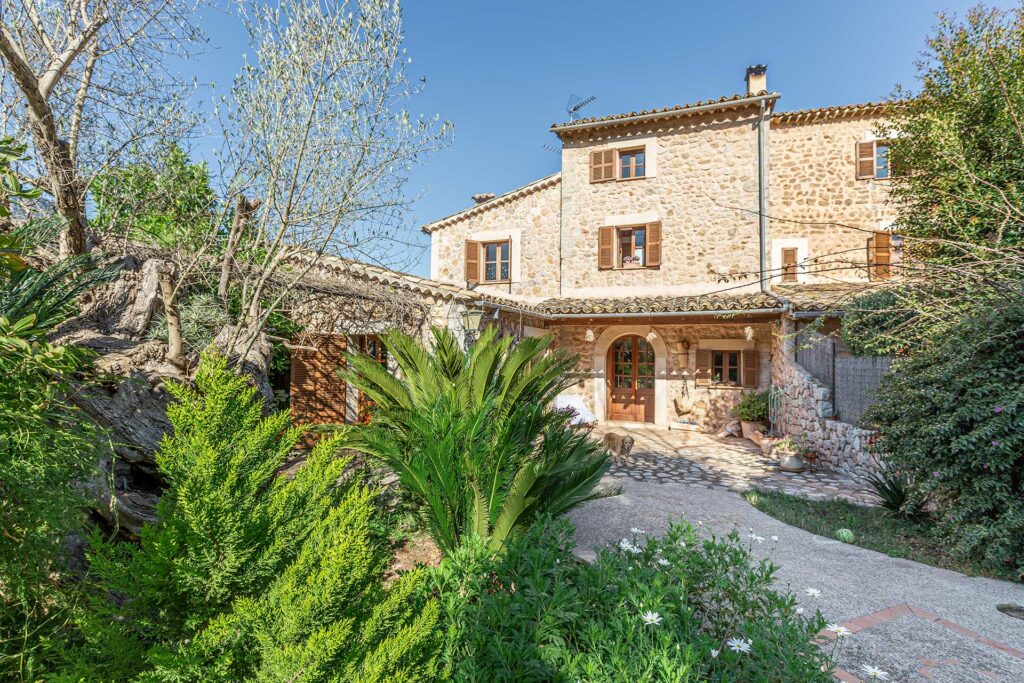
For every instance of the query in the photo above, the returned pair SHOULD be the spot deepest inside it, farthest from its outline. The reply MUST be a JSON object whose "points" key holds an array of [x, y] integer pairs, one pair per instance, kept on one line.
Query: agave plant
{"points": [[472, 435]]}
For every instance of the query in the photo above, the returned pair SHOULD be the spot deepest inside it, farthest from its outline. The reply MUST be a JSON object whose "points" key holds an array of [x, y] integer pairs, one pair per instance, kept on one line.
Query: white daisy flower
{"points": [[775, 539], [799, 610], [813, 592], [663, 562], [714, 653], [875, 672], [651, 618], [626, 544], [633, 549], [840, 630], [738, 645], [637, 530]]}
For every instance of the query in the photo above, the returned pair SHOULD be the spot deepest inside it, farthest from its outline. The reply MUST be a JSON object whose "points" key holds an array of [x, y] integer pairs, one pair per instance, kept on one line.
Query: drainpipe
{"points": [[762, 193]]}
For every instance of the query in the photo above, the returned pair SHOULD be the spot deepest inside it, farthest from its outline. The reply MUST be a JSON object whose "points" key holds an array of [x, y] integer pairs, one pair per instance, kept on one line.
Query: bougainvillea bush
{"points": [[676, 608], [951, 417]]}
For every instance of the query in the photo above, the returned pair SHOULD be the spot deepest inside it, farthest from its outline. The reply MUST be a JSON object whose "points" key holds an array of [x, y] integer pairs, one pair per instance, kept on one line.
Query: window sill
{"points": [[495, 282], [626, 180], [726, 387]]}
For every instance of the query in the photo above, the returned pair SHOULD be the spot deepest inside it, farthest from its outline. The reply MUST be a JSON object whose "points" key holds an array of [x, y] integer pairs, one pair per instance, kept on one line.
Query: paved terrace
{"points": [[699, 459]]}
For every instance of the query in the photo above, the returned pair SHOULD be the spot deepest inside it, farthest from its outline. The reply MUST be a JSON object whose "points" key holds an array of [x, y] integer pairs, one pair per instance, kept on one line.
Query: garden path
{"points": [[916, 622], [699, 459]]}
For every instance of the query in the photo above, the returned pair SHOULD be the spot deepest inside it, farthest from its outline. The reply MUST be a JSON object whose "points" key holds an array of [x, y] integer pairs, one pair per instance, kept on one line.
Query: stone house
{"points": [[673, 247], [672, 243]]}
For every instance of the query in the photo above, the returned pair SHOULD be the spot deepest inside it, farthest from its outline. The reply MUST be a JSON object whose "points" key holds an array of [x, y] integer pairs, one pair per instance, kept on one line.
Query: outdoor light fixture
{"points": [[471, 320], [652, 335], [589, 336]]}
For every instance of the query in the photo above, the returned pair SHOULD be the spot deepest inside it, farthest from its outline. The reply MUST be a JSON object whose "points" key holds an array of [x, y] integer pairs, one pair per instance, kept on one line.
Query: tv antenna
{"points": [[575, 104]]}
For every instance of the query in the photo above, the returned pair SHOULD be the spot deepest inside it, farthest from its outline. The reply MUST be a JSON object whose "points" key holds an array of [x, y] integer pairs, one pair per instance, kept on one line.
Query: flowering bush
{"points": [[951, 419], [676, 608]]}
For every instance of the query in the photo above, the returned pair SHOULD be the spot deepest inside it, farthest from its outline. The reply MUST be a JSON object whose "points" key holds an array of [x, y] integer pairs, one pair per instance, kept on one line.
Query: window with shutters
{"points": [[602, 165], [497, 261], [880, 256], [632, 164], [873, 160], [789, 259], [725, 367], [632, 247]]}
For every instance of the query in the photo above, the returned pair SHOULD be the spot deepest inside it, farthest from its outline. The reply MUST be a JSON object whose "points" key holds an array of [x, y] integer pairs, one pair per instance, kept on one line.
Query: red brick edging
{"points": [[902, 610]]}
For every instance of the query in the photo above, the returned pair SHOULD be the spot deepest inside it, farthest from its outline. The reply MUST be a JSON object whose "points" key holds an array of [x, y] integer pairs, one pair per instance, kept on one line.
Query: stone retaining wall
{"points": [[807, 410]]}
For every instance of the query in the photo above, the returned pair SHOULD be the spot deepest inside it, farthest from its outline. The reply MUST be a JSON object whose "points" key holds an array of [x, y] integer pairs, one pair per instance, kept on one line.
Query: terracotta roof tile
{"points": [[489, 204], [823, 297], [712, 303], [845, 111], [664, 112]]}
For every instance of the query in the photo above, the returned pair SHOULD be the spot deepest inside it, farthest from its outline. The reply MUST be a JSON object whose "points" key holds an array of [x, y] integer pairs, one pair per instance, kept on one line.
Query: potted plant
{"points": [[790, 453], [752, 410]]}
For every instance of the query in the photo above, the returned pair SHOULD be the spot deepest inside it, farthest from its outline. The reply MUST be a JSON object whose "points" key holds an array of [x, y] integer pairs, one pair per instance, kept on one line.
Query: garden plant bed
{"points": [[873, 529]]}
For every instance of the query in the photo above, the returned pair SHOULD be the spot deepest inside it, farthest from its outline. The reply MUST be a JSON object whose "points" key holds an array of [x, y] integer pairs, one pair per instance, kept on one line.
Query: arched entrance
{"points": [[631, 373]]}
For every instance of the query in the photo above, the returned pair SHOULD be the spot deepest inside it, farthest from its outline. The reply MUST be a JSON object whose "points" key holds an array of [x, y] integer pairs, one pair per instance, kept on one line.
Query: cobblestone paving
{"points": [[736, 464]]}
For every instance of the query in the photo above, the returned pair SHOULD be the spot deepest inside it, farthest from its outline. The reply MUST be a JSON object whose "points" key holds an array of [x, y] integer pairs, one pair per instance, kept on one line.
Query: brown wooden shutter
{"points": [[789, 265], [602, 166], [882, 257], [750, 368], [703, 377], [302, 385], [472, 262], [606, 248], [654, 244], [865, 160]]}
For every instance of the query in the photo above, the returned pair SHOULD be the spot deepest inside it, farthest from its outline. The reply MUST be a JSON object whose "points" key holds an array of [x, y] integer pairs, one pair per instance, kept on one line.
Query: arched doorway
{"points": [[631, 380]]}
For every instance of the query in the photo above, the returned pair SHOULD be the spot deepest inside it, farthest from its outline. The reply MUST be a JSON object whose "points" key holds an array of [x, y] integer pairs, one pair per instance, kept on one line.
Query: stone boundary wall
{"points": [[807, 410]]}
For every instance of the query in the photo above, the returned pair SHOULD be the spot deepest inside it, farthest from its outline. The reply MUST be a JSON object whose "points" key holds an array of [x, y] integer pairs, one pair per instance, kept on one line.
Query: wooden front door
{"points": [[371, 345], [631, 380]]}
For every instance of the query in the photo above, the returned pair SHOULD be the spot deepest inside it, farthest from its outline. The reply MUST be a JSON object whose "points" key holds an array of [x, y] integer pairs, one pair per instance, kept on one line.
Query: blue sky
{"points": [[502, 71]]}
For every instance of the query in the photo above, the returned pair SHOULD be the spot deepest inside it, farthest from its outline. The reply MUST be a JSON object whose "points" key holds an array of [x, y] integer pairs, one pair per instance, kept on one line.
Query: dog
{"points": [[618, 445]]}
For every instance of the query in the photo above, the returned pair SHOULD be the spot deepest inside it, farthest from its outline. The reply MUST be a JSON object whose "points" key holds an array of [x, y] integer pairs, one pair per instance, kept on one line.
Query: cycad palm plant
{"points": [[472, 435]]}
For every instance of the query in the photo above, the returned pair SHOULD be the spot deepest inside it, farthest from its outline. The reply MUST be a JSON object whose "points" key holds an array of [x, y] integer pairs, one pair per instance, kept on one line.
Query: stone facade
{"points": [[529, 219], [712, 405], [817, 203], [807, 412], [701, 184]]}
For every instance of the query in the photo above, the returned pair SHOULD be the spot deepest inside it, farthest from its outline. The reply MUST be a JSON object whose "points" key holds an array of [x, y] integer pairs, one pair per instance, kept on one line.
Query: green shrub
{"points": [[951, 418], [47, 450], [893, 489], [537, 613], [249, 574], [471, 434], [753, 407]]}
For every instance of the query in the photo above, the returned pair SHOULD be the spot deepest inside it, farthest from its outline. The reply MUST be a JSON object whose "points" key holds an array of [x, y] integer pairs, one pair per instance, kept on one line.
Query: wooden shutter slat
{"points": [[596, 169], [654, 244], [606, 248], [882, 255], [865, 160], [750, 368], [472, 262], [789, 265], [703, 376]]}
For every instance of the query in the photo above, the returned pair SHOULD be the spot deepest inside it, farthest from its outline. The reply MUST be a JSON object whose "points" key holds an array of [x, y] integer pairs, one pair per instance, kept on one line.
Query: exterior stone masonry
{"points": [[712, 405], [815, 195], [530, 222], [807, 411], [704, 170]]}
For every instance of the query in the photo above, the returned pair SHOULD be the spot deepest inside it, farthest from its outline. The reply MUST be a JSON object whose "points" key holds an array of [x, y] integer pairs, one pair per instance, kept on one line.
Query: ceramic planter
{"points": [[791, 462]]}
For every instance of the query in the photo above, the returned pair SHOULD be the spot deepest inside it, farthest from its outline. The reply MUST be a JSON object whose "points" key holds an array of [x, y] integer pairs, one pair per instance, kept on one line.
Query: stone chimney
{"points": [[757, 79], [483, 197]]}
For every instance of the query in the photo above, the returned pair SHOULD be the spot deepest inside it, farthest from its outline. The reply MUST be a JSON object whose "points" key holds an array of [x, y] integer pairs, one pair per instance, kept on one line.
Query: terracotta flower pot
{"points": [[749, 429]]}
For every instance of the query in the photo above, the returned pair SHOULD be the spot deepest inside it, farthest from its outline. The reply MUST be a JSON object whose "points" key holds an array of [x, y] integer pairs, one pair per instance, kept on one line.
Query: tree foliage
{"points": [[471, 434], [960, 146], [249, 574], [167, 201]]}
